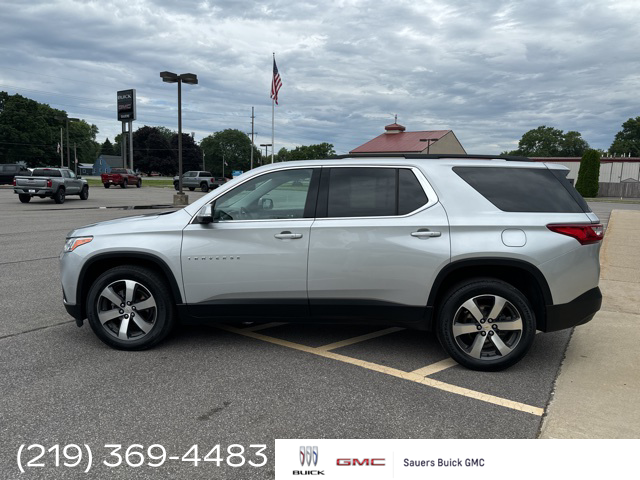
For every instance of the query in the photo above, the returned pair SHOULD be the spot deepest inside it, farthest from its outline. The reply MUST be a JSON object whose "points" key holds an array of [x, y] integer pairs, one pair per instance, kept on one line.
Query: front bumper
{"points": [[76, 312], [577, 312]]}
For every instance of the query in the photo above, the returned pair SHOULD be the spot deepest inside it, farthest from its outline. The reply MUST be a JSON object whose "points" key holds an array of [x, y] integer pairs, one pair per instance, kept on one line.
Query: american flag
{"points": [[276, 82]]}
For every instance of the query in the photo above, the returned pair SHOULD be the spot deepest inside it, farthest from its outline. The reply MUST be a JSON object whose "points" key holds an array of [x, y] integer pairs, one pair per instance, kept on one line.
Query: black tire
{"points": [[204, 187], [176, 185], [84, 193], [139, 183], [24, 198], [59, 196], [147, 288], [123, 184], [107, 185], [478, 341], [192, 188]]}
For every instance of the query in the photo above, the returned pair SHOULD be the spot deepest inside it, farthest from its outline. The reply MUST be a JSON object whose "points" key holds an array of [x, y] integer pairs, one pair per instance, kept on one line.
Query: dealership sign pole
{"points": [[127, 114]]}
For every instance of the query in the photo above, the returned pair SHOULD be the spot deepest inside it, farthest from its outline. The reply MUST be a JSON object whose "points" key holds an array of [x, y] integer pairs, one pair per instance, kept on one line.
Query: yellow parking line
{"points": [[263, 326], [411, 376], [361, 338], [435, 367]]}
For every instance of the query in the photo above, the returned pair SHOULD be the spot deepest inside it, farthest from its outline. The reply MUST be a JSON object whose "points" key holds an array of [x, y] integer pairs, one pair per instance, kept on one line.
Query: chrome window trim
{"points": [[432, 197]]}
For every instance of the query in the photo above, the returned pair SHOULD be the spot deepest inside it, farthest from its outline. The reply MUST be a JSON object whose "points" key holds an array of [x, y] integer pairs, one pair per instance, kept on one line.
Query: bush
{"points": [[589, 174]]}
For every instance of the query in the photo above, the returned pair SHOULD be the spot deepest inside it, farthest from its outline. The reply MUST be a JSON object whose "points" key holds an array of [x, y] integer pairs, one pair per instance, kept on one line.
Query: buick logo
{"points": [[308, 455]]}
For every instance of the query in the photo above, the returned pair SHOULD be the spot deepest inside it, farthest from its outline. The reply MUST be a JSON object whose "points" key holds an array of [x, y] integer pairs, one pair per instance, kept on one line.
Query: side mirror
{"points": [[205, 215], [266, 204], [78, 177]]}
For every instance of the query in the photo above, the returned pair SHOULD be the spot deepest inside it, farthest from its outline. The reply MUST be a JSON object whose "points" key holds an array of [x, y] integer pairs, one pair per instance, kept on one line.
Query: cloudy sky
{"points": [[489, 70]]}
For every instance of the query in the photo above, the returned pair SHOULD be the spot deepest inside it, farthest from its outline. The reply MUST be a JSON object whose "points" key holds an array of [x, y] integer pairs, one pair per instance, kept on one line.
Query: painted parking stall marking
{"points": [[417, 376]]}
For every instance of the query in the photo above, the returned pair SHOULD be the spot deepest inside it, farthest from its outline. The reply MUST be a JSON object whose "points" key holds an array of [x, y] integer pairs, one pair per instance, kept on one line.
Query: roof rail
{"points": [[512, 158]]}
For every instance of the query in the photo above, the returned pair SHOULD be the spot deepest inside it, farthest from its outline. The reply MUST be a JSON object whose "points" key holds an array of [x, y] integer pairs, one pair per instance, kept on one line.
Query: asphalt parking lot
{"points": [[234, 384]]}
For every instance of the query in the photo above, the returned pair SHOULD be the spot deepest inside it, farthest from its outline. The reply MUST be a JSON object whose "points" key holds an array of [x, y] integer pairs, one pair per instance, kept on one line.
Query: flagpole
{"points": [[273, 117]]}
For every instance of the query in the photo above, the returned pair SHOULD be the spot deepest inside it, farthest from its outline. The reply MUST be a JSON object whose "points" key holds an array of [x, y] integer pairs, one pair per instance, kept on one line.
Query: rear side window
{"points": [[411, 196], [373, 192], [362, 192], [521, 189]]}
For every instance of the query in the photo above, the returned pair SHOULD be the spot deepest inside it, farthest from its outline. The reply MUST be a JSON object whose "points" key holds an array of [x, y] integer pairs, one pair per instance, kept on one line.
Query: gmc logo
{"points": [[353, 462]]}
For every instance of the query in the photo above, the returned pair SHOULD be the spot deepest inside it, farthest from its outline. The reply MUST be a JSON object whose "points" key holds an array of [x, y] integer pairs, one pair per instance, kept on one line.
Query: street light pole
{"points": [[180, 192], [169, 77], [266, 149]]}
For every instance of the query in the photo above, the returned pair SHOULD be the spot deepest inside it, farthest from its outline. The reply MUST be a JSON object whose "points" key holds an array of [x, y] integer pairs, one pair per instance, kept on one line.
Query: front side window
{"points": [[276, 195]]}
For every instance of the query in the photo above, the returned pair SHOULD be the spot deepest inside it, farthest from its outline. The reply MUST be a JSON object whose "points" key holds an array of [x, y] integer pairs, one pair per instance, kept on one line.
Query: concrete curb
{"points": [[597, 390]]}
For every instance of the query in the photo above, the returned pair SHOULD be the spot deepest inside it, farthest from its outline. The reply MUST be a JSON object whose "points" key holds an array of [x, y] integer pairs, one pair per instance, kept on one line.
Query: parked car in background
{"points": [[55, 183], [199, 179], [9, 170], [483, 251], [122, 177]]}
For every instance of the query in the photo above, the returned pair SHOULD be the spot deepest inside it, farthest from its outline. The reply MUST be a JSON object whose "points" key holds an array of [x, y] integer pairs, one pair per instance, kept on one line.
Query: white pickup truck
{"points": [[56, 183]]}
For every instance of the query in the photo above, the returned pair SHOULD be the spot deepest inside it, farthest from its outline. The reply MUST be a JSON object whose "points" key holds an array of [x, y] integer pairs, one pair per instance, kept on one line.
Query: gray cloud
{"points": [[488, 70]]}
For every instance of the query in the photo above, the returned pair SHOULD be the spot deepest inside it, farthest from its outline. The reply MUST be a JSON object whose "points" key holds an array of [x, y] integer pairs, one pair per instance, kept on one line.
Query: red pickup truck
{"points": [[122, 177]]}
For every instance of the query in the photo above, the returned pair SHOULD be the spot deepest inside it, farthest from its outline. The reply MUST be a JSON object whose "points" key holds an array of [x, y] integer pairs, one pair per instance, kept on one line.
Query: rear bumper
{"points": [[46, 192], [577, 312]]}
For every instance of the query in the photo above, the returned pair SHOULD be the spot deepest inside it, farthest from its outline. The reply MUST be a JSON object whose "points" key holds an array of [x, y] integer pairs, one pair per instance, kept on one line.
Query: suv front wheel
{"points": [[486, 324], [130, 308]]}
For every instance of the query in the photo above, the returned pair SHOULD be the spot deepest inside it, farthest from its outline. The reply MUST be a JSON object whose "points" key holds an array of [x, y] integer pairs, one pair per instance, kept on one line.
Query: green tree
{"points": [[29, 131], [232, 145], [191, 152], [546, 141], [82, 136], [589, 174], [627, 140], [306, 152], [152, 151], [573, 145], [107, 148]]}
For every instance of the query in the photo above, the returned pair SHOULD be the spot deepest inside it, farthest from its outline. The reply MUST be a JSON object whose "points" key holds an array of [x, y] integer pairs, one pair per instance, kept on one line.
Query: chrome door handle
{"points": [[287, 235], [425, 234]]}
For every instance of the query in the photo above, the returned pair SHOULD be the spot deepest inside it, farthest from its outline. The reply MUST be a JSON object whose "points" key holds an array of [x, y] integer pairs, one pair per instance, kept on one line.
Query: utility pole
{"points": [[75, 157], [203, 168], [252, 117], [61, 150]]}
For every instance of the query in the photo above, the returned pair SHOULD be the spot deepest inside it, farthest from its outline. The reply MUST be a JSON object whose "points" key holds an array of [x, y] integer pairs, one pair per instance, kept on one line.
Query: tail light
{"points": [[49, 183], [14, 182], [213, 180], [585, 234]]}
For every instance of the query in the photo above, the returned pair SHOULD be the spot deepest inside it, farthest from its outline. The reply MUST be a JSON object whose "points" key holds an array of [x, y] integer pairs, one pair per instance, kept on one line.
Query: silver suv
{"points": [[482, 250]]}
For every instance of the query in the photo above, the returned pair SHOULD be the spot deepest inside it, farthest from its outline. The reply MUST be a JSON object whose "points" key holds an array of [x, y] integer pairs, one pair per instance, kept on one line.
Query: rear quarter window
{"points": [[522, 189]]}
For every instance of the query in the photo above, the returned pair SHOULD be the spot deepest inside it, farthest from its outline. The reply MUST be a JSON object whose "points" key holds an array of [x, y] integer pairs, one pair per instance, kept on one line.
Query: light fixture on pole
{"points": [[192, 79], [266, 149]]}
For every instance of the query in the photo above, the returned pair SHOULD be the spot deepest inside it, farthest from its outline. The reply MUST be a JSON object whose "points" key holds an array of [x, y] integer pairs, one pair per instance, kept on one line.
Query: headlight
{"points": [[73, 243]]}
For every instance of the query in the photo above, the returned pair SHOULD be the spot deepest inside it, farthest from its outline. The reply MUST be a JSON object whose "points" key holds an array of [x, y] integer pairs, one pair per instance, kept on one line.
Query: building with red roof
{"points": [[396, 140]]}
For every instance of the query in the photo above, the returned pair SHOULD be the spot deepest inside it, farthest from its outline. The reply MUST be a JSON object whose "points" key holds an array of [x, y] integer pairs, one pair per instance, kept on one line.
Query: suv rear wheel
{"points": [[24, 198], [204, 187], [486, 324], [130, 308]]}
